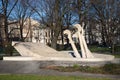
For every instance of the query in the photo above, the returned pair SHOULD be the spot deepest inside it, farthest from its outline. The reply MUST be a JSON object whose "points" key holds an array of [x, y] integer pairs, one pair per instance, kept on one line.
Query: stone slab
{"points": [[38, 50]]}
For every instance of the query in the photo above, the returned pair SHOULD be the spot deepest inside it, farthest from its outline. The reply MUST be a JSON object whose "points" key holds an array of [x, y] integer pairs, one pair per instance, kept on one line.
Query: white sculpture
{"points": [[72, 43], [84, 49]]}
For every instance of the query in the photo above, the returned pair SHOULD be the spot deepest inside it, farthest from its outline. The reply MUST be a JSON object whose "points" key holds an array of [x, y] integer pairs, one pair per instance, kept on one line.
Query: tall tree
{"points": [[6, 8], [22, 12], [107, 13], [80, 7], [53, 13]]}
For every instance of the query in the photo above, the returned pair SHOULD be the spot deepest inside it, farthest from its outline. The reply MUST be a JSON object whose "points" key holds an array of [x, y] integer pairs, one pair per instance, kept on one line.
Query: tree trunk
{"points": [[54, 40], [9, 49], [57, 27], [113, 49], [21, 33], [62, 37], [5, 38]]}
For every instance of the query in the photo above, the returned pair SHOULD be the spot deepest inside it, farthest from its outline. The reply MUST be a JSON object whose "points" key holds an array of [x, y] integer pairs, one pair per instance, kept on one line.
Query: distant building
{"points": [[33, 31]]}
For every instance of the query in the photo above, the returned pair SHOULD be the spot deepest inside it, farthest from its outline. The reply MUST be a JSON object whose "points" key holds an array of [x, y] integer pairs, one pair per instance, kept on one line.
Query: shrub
{"points": [[112, 68]]}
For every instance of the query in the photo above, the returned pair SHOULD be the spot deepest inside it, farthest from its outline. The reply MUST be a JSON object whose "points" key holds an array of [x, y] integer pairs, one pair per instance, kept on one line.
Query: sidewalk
{"points": [[33, 67]]}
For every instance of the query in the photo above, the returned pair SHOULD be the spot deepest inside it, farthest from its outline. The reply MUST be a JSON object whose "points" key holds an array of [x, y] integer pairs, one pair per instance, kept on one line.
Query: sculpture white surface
{"points": [[84, 49], [72, 43]]}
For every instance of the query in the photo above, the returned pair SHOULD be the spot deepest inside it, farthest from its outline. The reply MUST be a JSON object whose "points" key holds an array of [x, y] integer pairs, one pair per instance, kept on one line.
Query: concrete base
{"points": [[99, 57], [18, 58]]}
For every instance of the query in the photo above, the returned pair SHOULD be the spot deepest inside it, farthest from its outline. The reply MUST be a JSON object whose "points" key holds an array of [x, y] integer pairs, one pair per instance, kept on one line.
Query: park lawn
{"points": [[105, 50], [116, 55], [37, 77]]}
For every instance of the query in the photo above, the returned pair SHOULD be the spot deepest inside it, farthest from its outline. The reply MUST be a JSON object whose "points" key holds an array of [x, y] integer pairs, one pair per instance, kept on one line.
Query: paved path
{"points": [[33, 67]]}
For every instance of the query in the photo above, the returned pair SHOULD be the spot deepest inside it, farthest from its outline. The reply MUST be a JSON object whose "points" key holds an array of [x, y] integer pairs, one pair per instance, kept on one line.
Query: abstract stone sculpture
{"points": [[84, 49], [85, 52], [67, 32]]}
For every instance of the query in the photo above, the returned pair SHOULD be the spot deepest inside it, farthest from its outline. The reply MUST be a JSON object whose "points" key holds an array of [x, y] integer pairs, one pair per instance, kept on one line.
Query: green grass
{"points": [[37, 77], [99, 49], [1, 57], [95, 48], [3, 52], [106, 50], [116, 55]]}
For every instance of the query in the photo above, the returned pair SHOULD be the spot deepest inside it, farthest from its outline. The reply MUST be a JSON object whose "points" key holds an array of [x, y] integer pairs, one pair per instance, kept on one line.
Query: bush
{"points": [[112, 68], [106, 69], [1, 57], [76, 66]]}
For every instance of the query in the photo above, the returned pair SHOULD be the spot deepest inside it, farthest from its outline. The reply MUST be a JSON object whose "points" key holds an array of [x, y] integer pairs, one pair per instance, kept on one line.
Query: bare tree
{"points": [[54, 14], [6, 8], [22, 13], [107, 13]]}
